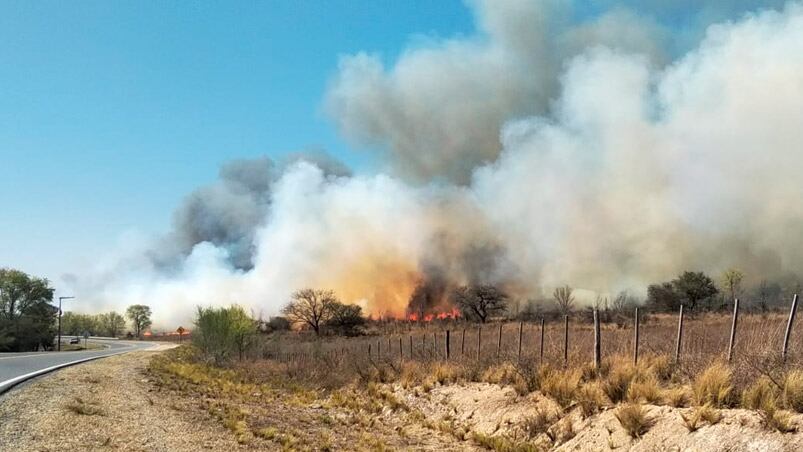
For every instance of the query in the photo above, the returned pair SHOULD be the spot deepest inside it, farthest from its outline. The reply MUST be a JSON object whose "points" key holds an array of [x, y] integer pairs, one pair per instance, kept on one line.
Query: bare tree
{"points": [[311, 307], [564, 298], [732, 281], [480, 301]]}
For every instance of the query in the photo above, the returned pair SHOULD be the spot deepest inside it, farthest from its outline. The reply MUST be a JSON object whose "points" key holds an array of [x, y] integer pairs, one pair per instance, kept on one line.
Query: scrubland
{"points": [[296, 392]]}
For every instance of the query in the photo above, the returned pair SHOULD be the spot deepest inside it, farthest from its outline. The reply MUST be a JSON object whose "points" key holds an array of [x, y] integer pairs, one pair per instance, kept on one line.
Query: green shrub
{"points": [[222, 332]]}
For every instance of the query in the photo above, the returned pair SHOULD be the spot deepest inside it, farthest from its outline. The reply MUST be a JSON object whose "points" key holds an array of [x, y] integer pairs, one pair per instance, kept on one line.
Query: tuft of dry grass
{"points": [[590, 398], [713, 386], [634, 419], [443, 373], [660, 366], [616, 385], [502, 374], [676, 397], [761, 395], [537, 424], [793, 391], [561, 386], [84, 408], [411, 374], [779, 420], [694, 420], [646, 389]]}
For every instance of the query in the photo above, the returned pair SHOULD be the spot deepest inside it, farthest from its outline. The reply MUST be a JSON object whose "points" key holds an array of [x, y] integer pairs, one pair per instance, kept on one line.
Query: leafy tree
{"points": [[221, 332], [346, 319], [111, 324], [732, 281], [27, 320], [311, 307], [694, 287], [278, 323], [140, 316], [564, 298], [74, 324], [480, 301], [663, 297]]}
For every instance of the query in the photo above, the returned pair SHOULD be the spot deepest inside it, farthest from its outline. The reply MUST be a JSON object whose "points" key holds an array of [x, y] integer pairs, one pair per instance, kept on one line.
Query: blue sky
{"points": [[111, 112]]}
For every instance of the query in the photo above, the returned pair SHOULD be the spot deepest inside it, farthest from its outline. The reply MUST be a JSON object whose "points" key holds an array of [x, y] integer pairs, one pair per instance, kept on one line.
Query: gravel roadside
{"points": [[107, 404]]}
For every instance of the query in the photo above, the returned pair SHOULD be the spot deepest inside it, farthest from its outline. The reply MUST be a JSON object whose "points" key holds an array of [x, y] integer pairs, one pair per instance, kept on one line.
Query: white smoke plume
{"points": [[537, 154]]}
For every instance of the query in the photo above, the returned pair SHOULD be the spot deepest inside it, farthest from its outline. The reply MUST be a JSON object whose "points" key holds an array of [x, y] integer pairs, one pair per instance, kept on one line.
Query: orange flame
{"points": [[453, 314]]}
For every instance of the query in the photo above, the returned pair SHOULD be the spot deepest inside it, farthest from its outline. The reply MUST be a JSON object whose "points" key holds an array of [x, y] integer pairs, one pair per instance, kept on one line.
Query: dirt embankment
{"points": [[492, 410], [117, 404]]}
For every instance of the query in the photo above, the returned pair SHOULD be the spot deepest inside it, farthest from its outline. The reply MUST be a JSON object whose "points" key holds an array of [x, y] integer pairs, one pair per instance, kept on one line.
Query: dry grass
{"points": [[676, 397], [793, 391], [779, 420], [713, 386], [84, 408], [561, 386], [634, 419], [646, 389], [590, 398], [760, 395], [577, 387], [537, 423], [695, 419], [501, 443], [618, 382]]}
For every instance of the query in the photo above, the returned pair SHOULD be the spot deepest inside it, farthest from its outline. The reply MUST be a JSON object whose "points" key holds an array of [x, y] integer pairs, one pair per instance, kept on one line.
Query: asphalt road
{"points": [[16, 366]]}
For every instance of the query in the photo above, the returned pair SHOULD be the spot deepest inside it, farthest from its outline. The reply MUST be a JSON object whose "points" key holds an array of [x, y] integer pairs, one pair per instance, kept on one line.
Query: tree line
{"points": [[109, 324], [28, 319]]}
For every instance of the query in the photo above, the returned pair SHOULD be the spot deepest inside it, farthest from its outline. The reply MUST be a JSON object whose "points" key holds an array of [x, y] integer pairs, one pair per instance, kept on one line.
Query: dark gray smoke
{"points": [[227, 212]]}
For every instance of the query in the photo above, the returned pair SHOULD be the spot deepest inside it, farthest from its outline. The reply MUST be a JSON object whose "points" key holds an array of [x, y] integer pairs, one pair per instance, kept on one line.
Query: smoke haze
{"points": [[540, 152]]}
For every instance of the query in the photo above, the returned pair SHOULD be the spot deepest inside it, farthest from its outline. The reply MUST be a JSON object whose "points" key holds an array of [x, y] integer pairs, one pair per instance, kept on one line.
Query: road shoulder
{"points": [[107, 404]]}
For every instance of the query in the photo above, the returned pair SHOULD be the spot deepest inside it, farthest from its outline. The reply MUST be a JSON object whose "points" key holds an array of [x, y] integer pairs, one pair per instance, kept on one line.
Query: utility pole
{"points": [[58, 344]]}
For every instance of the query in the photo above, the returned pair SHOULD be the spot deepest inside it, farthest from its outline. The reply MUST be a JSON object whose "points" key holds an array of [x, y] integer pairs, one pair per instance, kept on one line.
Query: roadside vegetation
{"points": [[393, 375], [27, 319]]}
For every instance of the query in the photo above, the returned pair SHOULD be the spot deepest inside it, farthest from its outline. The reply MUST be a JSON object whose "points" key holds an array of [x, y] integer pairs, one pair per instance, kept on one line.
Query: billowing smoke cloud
{"points": [[439, 110], [538, 154], [227, 214]]}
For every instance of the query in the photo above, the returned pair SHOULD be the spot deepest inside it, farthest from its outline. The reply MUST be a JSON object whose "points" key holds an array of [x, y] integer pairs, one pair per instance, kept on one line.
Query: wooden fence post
{"points": [[369, 351], [379, 349], [479, 341], [597, 346], [565, 340], [733, 329], [541, 346], [680, 335], [423, 344], [401, 349], [411, 347], [789, 328], [635, 339], [521, 327], [499, 341], [447, 344], [389, 347], [463, 342]]}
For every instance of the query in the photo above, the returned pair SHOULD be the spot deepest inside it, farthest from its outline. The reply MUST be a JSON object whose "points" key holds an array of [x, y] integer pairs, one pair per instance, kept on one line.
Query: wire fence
{"points": [[692, 342]]}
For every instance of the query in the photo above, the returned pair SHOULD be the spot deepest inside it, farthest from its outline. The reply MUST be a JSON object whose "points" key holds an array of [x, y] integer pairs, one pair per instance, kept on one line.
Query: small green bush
{"points": [[221, 333]]}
